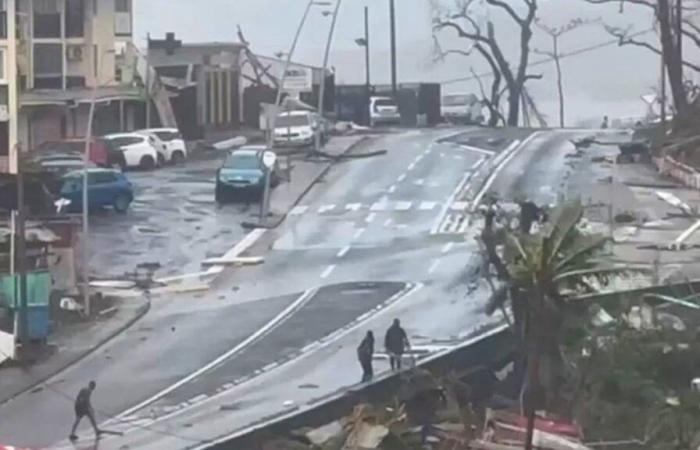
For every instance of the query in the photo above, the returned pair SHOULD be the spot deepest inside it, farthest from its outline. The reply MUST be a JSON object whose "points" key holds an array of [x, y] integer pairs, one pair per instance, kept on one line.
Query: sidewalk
{"points": [[70, 344]]}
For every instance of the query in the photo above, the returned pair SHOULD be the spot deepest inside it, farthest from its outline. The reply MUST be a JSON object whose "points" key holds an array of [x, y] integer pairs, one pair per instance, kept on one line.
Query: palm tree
{"points": [[542, 272]]}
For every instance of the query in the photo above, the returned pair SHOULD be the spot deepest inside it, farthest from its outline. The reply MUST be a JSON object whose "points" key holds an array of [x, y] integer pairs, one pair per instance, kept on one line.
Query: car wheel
{"points": [[147, 162], [178, 158], [121, 203]]}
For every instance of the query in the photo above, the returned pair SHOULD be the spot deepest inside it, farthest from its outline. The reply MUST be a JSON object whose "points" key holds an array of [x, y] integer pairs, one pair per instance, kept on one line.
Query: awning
{"points": [[57, 97]]}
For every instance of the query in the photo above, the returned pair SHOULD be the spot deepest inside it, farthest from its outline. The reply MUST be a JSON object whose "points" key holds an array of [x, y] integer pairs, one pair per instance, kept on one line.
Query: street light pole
{"points": [[368, 84], [283, 78], [322, 90], [392, 14]]}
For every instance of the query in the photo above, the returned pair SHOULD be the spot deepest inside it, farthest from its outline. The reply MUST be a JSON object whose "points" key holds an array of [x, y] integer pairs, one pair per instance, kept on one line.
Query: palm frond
{"points": [[580, 249], [597, 272], [564, 221]]}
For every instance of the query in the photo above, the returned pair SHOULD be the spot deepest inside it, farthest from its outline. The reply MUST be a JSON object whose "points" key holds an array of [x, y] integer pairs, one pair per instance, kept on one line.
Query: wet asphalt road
{"points": [[371, 220], [173, 221]]}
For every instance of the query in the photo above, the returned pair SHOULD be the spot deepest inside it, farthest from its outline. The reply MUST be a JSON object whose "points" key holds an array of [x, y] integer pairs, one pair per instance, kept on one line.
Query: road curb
{"points": [[140, 312], [313, 183]]}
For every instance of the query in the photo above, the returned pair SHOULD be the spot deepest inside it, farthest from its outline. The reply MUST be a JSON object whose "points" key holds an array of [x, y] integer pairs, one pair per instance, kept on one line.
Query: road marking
{"points": [[279, 318], [298, 210], [353, 206], [328, 271], [477, 164], [326, 208], [450, 200], [343, 251], [401, 177], [392, 188], [447, 247], [358, 233], [412, 166], [370, 217], [419, 182], [427, 151], [334, 337], [434, 265], [458, 156], [477, 150], [402, 206], [427, 206], [378, 206], [417, 159], [459, 206], [387, 222], [514, 149]]}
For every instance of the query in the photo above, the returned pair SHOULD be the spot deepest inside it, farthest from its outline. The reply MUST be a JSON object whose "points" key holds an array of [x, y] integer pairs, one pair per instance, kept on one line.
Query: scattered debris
{"points": [[676, 202], [235, 261]]}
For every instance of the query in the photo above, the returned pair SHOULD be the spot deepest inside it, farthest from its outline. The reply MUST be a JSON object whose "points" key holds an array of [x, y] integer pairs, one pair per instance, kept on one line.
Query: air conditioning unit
{"points": [[74, 53]]}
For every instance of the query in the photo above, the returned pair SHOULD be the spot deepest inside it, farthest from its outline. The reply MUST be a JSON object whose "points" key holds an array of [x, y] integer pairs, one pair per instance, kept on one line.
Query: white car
{"points": [[462, 109], [138, 149], [383, 110], [169, 143], [295, 128]]}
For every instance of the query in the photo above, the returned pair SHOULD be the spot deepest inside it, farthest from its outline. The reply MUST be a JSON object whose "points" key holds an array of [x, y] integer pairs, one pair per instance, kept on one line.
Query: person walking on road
{"points": [[83, 407], [365, 352], [605, 124], [396, 343]]}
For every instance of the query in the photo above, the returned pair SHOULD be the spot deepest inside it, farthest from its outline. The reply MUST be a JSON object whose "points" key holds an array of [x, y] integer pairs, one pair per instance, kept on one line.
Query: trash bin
{"points": [[38, 320]]}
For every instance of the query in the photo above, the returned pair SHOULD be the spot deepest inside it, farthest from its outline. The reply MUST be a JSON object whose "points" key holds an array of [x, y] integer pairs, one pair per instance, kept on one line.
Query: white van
{"points": [[383, 110], [296, 128], [462, 109]]}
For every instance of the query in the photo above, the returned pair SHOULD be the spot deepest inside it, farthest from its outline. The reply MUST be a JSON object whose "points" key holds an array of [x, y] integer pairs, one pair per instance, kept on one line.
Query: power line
{"points": [[540, 62]]}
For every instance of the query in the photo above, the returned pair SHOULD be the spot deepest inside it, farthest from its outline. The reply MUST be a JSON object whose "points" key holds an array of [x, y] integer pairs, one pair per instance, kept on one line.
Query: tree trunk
{"points": [[673, 58], [514, 93], [533, 385]]}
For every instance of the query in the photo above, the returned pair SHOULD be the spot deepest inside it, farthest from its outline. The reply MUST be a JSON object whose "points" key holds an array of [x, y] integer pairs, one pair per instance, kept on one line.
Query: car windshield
{"points": [[385, 102], [242, 161], [456, 100], [292, 121]]}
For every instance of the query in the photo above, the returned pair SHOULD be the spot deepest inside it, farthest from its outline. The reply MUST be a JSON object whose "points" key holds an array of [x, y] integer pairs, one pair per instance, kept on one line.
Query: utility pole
{"points": [[21, 254], [392, 14], [322, 90], [662, 108], [368, 84]]}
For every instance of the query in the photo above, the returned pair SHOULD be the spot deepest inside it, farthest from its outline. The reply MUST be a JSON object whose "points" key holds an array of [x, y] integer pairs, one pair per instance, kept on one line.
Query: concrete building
{"points": [[221, 85], [54, 55]]}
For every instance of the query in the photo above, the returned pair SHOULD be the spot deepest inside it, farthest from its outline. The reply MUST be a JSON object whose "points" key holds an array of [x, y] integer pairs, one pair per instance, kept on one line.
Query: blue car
{"points": [[106, 187], [243, 174]]}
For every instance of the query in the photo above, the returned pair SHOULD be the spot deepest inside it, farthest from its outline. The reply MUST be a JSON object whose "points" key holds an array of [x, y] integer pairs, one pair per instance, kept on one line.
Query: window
{"points": [[47, 19], [75, 18], [3, 19], [122, 6], [48, 66], [102, 177], [126, 140], [166, 136]]}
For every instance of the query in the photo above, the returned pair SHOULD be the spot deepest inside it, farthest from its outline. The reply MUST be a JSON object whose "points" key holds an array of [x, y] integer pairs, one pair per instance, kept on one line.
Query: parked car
{"points": [[60, 164], [106, 187], [243, 174], [296, 128], [173, 147], [383, 110], [462, 109], [137, 149], [101, 152]]}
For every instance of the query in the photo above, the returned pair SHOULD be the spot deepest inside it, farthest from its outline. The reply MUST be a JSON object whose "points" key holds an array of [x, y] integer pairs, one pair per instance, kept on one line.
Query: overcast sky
{"points": [[607, 81]]}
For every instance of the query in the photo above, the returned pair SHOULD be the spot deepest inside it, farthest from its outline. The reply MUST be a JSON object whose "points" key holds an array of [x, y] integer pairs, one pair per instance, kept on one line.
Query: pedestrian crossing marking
{"points": [[326, 208], [427, 206], [353, 206], [459, 206], [298, 210], [378, 206], [403, 206]]}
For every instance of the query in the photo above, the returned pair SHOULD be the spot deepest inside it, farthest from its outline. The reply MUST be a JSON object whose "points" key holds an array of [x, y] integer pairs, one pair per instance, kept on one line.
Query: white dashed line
{"points": [[328, 271], [458, 157], [447, 247], [412, 166], [419, 182], [370, 218], [392, 188], [298, 210], [343, 251], [434, 265], [401, 177], [402, 206], [387, 222], [477, 164], [326, 208], [378, 206], [427, 206], [358, 233], [459, 206], [418, 158], [353, 206]]}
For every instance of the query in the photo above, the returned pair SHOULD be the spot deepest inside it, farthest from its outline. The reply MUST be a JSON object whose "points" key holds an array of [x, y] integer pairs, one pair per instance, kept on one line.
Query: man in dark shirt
{"points": [[396, 343], [83, 407], [365, 353]]}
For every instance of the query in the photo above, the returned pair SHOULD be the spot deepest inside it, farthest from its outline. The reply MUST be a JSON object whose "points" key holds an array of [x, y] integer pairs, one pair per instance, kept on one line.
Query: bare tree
{"points": [[460, 19], [555, 33], [671, 27]]}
